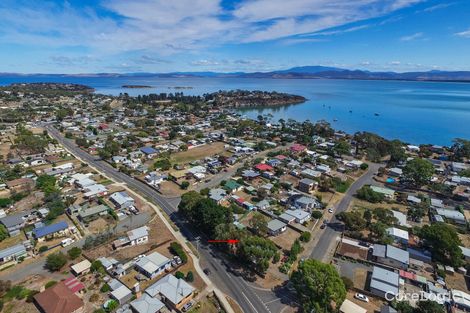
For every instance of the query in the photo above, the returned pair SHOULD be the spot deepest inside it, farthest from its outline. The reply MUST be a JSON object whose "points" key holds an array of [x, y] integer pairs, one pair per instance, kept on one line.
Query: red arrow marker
{"points": [[232, 241]]}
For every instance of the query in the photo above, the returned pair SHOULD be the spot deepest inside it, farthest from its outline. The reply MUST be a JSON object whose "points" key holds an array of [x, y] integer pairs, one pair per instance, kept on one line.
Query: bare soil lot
{"points": [[286, 239]]}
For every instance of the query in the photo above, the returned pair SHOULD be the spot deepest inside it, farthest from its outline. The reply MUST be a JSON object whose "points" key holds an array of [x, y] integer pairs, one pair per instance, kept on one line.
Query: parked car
{"points": [[323, 226], [360, 296], [187, 306], [330, 210], [207, 271]]}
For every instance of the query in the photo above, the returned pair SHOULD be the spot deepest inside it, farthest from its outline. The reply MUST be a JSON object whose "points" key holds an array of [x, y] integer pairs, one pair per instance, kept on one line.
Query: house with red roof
{"points": [[59, 299], [262, 167], [298, 148]]}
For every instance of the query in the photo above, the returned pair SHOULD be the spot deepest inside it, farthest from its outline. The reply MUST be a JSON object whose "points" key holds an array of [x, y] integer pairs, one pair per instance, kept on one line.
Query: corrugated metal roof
{"points": [[50, 229]]}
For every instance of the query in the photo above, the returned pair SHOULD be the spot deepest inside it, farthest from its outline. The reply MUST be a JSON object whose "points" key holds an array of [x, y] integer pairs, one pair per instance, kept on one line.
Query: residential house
{"points": [[232, 186], [153, 264], [13, 253], [81, 268], [300, 216], [90, 214], [175, 292], [95, 190], [122, 200], [59, 299], [384, 282], [387, 192], [20, 184], [250, 174], [399, 235], [276, 227], [15, 222], [308, 203], [218, 195], [147, 304], [59, 229], [149, 152], [453, 216], [134, 237], [119, 291], [307, 185], [391, 256], [298, 148]]}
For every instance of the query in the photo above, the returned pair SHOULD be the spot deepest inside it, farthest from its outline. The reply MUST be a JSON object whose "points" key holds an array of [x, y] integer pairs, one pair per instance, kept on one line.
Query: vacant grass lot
{"points": [[197, 153]]}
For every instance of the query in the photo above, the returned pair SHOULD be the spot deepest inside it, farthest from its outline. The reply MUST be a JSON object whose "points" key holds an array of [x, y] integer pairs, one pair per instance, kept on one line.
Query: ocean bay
{"points": [[415, 112]]}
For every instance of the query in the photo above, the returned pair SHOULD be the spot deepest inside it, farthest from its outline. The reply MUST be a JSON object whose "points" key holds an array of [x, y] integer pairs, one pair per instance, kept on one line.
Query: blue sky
{"points": [[85, 36]]}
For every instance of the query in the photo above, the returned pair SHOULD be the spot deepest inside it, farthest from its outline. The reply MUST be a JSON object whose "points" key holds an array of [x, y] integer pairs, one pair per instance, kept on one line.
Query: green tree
{"points": [[189, 277], [429, 307], [305, 236], [397, 152], [418, 171], [46, 184], [3, 232], [352, 220], [256, 252], [184, 185], [179, 274], [259, 224], [319, 287], [74, 253], [366, 193], [443, 242], [461, 149], [55, 261]]}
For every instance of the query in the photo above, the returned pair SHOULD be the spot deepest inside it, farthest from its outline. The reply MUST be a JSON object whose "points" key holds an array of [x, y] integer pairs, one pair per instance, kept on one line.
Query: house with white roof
{"points": [[147, 304], [398, 235], [153, 264]]}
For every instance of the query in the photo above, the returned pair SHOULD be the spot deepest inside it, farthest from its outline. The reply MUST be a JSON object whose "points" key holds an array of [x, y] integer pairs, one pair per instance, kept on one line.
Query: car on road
{"points": [[323, 226], [330, 210], [360, 296], [207, 271]]}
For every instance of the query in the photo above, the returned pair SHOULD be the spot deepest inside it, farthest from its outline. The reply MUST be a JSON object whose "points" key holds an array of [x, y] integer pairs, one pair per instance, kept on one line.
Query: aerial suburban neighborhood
{"points": [[175, 203]]}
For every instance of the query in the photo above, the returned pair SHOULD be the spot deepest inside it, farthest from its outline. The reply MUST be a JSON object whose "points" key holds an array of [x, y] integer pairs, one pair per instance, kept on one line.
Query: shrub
{"points": [[74, 253], [105, 288], [50, 283], [56, 261], [177, 249], [43, 249], [305, 236], [179, 274], [190, 277]]}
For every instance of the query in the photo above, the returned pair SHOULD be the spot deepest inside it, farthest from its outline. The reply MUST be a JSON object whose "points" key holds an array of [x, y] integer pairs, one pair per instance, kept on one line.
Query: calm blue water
{"points": [[416, 112]]}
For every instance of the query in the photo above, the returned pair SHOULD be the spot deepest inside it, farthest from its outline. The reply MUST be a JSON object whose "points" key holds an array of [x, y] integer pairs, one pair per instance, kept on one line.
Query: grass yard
{"points": [[198, 153]]}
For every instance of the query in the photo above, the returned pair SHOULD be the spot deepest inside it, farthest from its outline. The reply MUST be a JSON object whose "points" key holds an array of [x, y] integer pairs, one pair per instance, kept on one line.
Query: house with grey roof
{"points": [[306, 185], [119, 291], [303, 202], [15, 222], [147, 304], [90, 214], [299, 216], [275, 227], [134, 237], [13, 253], [452, 216], [391, 256], [174, 292], [153, 264], [122, 200], [218, 195], [384, 282]]}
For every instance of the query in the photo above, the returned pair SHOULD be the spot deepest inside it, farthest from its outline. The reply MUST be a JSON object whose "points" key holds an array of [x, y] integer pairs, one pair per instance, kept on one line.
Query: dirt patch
{"points": [[286, 239], [169, 188], [457, 281], [100, 224], [373, 305], [360, 278], [272, 278]]}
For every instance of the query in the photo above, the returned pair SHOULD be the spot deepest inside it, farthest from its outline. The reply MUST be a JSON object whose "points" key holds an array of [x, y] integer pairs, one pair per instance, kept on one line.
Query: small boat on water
{"points": [[350, 111], [335, 120], [376, 114]]}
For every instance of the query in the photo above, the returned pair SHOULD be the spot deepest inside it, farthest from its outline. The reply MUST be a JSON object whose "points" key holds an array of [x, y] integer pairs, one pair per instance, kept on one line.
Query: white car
{"points": [[360, 296], [330, 210]]}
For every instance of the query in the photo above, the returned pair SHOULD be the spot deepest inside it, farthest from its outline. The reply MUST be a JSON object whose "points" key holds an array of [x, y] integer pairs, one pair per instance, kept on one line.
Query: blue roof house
{"points": [[149, 152], [54, 230]]}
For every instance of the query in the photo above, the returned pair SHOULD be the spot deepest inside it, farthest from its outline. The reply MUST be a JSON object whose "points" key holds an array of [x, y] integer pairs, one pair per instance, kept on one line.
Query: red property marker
{"points": [[232, 241]]}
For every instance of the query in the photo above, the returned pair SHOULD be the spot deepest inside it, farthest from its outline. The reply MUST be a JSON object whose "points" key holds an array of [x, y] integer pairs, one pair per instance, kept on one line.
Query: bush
{"points": [[105, 288], [43, 249], [177, 249], [50, 283], [74, 253], [56, 261], [184, 185], [366, 193], [317, 215], [189, 277], [364, 166], [305, 236], [276, 257], [179, 274]]}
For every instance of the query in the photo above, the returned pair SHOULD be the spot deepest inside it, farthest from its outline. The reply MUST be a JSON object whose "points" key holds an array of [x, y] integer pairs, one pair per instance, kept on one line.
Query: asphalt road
{"points": [[330, 235], [249, 298]]}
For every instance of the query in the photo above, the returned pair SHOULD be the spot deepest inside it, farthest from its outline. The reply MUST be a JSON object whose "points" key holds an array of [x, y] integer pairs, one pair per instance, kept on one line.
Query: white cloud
{"points": [[412, 37], [465, 34], [395, 63], [164, 27]]}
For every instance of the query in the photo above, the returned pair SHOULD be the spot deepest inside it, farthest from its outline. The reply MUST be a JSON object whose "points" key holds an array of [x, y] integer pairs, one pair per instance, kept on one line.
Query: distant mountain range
{"points": [[295, 72]]}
